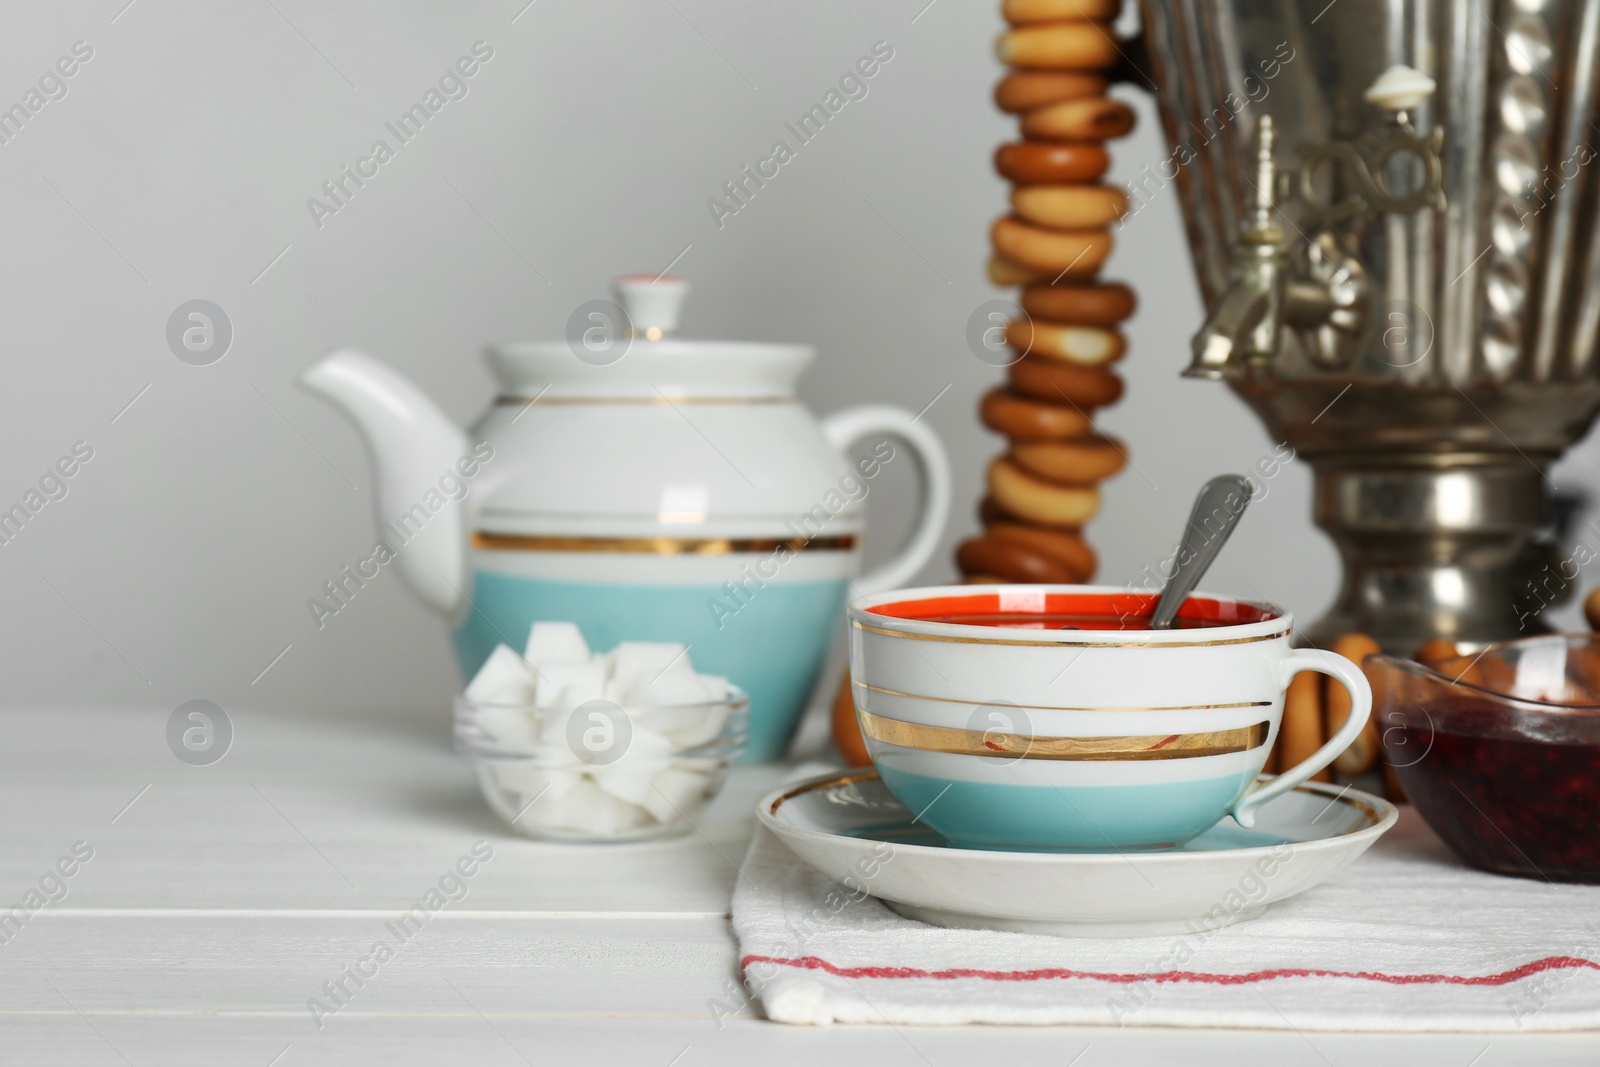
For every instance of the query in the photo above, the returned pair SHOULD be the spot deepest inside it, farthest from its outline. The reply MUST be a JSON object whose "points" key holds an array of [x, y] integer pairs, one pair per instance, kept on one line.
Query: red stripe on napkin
{"points": [[813, 963]]}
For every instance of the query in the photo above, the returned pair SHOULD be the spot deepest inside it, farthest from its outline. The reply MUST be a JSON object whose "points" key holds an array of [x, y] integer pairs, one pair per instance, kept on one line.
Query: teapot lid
{"points": [[632, 348]]}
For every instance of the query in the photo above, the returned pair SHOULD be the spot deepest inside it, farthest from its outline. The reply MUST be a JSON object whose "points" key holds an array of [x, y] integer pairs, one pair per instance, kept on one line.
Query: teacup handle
{"points": [[1346, 674], [843, 428]]}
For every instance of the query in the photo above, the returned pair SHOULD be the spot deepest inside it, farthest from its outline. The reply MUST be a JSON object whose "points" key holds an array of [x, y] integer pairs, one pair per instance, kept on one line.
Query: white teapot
{"points": [[646, 488]]}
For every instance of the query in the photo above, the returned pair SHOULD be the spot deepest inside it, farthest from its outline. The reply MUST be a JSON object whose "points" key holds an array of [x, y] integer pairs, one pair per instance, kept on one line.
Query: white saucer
{"points": [[838, 822]]}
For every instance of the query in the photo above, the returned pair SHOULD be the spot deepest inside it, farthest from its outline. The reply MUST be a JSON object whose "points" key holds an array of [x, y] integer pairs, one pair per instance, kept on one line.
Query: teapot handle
{"points": [[843, 428]]}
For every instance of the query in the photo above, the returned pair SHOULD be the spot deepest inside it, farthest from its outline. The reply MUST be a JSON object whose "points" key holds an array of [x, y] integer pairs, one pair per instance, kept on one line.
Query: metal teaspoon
{"points": [[1216, 512]]}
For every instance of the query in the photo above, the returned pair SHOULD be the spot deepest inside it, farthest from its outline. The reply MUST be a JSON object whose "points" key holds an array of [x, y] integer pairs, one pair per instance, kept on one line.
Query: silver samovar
{"points": [[1397, 237]]}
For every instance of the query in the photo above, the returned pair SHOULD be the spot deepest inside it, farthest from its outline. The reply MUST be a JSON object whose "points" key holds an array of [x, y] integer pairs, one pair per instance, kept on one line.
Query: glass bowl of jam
{"points": [[1500, 751]]}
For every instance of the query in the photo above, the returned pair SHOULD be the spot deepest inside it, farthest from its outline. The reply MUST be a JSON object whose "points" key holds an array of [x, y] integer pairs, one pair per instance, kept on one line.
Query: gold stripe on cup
{"points": [[659, 546], [960, 742]]}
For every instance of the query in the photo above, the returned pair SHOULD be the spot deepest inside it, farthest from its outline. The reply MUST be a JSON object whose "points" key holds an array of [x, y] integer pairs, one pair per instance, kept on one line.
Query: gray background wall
{"points": [[178, 166]]}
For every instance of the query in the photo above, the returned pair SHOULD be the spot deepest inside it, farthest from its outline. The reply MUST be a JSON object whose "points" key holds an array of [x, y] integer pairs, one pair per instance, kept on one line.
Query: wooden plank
{"points": [[308, 814], [494, 1039], [275, 966]]}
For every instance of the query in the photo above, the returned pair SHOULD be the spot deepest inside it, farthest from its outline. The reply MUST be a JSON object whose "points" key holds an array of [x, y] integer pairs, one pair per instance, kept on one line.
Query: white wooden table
{"points": [[220, 899]]}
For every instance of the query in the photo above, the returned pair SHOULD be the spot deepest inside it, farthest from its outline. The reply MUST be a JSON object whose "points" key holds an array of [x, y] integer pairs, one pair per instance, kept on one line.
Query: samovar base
{"points": [[1438, 545]]}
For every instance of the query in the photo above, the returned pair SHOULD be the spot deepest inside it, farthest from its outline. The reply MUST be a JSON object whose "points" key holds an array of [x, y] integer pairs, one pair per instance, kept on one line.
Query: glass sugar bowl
{"points": [[600, 771]]}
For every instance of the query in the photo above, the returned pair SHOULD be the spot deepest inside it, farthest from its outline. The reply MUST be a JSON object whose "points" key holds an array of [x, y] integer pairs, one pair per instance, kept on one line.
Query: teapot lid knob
{"points": [[653, 303]]}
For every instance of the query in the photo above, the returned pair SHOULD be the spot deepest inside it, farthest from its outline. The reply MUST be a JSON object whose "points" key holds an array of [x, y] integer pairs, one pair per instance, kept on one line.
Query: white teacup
{"points": [[1001, 730]]}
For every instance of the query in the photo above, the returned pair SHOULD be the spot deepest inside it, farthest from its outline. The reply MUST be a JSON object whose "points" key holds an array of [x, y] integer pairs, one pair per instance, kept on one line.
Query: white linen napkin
{"points": [[1405, 938]]}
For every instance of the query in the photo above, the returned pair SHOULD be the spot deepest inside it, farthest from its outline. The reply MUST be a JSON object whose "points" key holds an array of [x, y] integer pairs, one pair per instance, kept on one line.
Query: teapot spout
{"points": [[413, 447]]}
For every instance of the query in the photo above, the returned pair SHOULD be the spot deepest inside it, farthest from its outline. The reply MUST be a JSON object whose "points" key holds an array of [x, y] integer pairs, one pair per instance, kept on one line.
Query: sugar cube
{"points": [[633, 658], [586, 808], [510, 728], [668, 687], [690, 727], [556, 642], [504, 678], [566, 685], [532, 782], [628, 776]]}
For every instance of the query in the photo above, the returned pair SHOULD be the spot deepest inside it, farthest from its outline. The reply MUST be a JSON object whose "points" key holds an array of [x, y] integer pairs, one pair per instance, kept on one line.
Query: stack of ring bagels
{"points": [[1045, 487]]}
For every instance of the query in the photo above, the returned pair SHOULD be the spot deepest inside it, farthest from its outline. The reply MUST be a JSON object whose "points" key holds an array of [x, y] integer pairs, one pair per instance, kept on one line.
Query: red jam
{"points": [[1501, 801]]}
